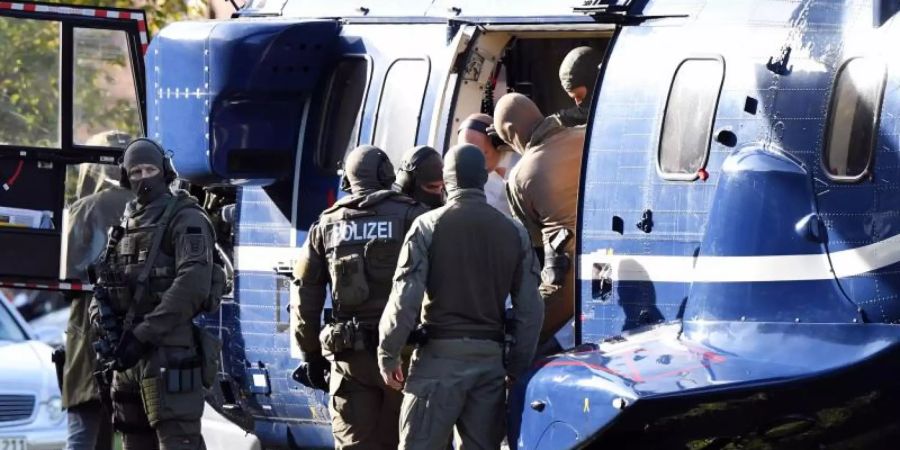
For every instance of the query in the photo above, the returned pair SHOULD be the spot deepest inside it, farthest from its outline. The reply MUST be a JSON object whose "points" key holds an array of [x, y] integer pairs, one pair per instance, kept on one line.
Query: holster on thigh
{"points": [[173, 388]]}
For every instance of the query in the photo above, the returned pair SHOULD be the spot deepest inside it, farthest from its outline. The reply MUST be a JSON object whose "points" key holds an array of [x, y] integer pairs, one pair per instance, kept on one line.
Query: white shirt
{"points": [[495, 187], [495, 191]]}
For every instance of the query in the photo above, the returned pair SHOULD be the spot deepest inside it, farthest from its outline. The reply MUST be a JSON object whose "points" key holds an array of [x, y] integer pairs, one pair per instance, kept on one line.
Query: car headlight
{"points": [[53, 406]]}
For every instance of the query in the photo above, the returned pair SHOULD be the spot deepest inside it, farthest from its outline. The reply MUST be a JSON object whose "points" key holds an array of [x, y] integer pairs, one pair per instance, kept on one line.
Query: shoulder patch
{"points": [[194, 246]]}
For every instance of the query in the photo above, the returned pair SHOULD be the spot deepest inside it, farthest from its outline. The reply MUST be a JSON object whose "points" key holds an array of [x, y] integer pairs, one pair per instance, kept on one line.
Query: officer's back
{"points": [[353, 249], [474, 250], [467, 257]]}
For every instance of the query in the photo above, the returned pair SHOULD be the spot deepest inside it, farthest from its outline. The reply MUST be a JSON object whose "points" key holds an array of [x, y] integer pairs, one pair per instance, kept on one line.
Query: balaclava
{"points": [[143, 151], [464, 168], [367, 169], [420, 166], [515, 119], [579, 68]]}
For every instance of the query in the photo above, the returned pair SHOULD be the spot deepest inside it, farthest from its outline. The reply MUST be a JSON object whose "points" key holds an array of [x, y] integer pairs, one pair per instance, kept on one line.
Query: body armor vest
{"points": [[363, 237], [133, 250]]}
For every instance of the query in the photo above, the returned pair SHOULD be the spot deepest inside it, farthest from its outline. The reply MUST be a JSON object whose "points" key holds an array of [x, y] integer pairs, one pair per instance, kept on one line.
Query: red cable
{"points": [[15, 174]]}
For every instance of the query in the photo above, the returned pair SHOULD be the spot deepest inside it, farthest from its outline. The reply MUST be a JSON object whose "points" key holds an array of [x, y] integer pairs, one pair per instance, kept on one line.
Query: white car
{"points": [[31, 414]]}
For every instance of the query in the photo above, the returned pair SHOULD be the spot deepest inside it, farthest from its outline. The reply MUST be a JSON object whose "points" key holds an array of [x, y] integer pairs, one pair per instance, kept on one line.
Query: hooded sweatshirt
{"points": [[543, 188]]}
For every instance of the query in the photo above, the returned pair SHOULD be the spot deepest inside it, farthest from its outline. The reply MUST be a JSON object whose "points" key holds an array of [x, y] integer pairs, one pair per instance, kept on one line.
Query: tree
{"points": [[30, 66]]}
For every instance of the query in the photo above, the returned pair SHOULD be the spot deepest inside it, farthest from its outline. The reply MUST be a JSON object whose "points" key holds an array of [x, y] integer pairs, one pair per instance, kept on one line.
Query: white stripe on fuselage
{"points": [[725, 269], [680, 269], [263, 259]]}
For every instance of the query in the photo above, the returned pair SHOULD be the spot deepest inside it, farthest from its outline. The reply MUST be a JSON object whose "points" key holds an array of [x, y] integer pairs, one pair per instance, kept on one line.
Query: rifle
{"points": [[103, 277]]}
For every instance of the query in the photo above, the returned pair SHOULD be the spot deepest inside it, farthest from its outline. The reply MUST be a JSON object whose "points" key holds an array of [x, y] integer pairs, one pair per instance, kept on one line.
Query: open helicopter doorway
{"points": [[526, 60], [522, 59]]}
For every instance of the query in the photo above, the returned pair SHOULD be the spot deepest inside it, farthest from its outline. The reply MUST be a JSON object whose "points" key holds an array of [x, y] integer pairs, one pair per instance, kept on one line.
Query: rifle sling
{"points": [[141, 287]]}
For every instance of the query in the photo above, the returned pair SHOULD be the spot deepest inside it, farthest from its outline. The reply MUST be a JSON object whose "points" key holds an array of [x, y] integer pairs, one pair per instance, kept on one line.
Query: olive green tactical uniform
{"points": [[158, 402], [458, 264], [354, 248], [89, 218]]}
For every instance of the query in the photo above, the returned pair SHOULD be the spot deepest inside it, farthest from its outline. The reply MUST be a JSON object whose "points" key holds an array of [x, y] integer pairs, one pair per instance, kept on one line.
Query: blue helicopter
{"points": [[737, 244]]}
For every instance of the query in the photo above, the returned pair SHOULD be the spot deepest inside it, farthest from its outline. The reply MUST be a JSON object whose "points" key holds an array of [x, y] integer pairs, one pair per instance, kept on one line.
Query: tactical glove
{"points": [[314, 373], [129, 351]]}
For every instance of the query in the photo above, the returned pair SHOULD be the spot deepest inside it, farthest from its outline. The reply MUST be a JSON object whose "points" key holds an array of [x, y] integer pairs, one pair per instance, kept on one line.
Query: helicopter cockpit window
{"points": [[339, 132], [400, 108], [853, 119], [688, 119]]}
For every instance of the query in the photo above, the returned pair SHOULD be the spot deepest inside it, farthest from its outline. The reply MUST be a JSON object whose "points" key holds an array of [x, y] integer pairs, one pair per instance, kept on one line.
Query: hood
{"points": [[515, 118], [25, 366]]}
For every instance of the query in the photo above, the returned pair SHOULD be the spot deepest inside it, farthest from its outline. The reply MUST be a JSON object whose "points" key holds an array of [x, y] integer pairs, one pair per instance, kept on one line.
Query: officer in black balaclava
{"points": [[160, 275], [145, 165], [352, 252], [578, 75], [481, 257], [419, 176]]}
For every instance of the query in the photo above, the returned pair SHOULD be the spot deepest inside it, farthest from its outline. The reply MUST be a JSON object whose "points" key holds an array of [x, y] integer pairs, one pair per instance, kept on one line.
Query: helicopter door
{"points": [[73, 92], [856, 185]]}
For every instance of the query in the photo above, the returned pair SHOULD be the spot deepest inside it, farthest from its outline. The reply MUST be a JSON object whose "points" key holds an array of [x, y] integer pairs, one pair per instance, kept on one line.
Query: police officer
{"points": [[419, 176], [89, 218], [578, 76], [468, 257], [159, 278], [353, 248]]}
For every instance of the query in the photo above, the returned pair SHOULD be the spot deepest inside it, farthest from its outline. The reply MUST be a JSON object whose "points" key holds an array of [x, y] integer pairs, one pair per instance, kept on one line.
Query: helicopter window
{"points": [[853, 119], [688, 118], [400, 108], [106, 102], [340, 123]]}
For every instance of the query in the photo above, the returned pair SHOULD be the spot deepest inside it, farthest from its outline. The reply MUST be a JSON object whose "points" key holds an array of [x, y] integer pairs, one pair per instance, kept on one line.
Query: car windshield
{"points": [[9, 328]]}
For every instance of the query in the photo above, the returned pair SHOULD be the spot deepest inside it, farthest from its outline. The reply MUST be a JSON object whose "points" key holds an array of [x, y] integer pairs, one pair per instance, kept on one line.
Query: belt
{"points": [[488, 335]]}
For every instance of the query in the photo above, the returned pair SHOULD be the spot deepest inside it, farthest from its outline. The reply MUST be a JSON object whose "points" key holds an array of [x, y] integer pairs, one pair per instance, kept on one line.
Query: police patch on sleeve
{"points": [[193, 248]]}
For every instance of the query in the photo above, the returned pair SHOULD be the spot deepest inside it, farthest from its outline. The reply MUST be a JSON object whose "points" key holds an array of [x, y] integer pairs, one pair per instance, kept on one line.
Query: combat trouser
{"points": [[157, 404], [454, 382], [363, 409]]}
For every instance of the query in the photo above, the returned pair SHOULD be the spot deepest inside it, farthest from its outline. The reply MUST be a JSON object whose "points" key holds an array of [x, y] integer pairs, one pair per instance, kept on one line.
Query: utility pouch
{"points": [[209, 348], [348, 279], [176, 394], [151, 398], [381, 258], [336, 338], [365, 336], [183, 379]]}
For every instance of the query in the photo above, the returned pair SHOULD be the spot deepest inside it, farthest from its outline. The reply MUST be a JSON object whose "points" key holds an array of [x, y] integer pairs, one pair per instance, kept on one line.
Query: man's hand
{"points": [[313, 373], [129, 351], [393, 378]]}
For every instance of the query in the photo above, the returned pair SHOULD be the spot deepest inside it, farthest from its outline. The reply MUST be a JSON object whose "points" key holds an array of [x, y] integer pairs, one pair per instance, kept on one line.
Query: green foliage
{"points": [[29, 75], [29, 82]]}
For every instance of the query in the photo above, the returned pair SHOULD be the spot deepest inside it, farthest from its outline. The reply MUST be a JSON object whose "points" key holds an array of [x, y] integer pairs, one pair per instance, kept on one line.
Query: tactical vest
{"points": [[362, 239], [133, 250]]}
